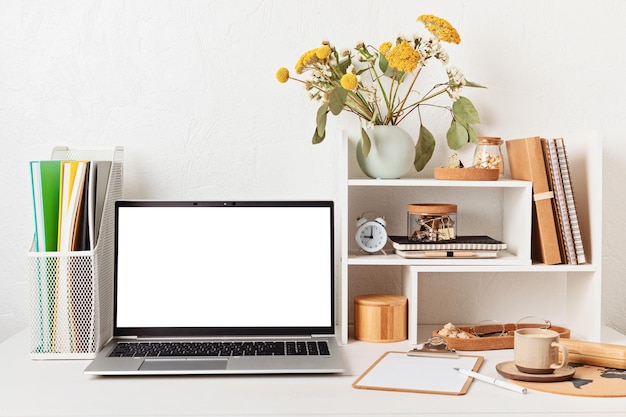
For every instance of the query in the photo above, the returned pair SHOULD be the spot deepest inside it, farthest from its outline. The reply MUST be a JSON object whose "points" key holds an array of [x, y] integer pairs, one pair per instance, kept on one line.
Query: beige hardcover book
{"points": [[526, 162]]}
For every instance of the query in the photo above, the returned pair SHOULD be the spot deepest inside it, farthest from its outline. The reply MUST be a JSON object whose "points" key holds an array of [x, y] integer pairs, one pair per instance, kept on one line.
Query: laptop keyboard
{"points": [[258, 348]]}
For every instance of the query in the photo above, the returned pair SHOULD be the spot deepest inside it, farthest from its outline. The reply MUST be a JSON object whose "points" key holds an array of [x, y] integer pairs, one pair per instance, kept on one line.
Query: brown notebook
{"points": [[526, 162]]}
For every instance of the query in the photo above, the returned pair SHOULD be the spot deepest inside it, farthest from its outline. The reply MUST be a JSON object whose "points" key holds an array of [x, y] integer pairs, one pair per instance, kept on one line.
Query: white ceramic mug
{"points": [[537, 351]]}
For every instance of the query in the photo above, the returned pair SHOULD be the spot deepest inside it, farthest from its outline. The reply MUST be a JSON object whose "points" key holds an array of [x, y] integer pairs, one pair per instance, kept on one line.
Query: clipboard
{"points": [[397, 371]]}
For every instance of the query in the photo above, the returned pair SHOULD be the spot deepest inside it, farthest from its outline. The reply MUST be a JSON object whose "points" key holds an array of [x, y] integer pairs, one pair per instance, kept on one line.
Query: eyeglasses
{"points": [[493, 328]]}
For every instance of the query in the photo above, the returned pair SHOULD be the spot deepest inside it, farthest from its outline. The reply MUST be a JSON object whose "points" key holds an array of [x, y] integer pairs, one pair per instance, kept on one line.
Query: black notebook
{"points": [[460, 243]]}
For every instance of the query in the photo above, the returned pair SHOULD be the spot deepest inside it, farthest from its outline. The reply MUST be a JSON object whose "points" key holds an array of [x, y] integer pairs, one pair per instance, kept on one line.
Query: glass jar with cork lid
{"points": [[431, 222], [488, 153]]}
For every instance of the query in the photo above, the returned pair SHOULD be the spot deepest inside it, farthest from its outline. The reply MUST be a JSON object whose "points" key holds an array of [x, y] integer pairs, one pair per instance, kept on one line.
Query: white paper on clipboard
{"points": [[396, 371]]}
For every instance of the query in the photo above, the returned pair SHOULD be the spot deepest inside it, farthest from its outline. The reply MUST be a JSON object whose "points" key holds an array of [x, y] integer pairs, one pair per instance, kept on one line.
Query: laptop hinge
{"points": [[214, 338]]}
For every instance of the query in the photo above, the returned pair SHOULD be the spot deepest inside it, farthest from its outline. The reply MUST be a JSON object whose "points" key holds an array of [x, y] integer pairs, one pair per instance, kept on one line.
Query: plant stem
{"points": [[422, 101], [417, 73]]}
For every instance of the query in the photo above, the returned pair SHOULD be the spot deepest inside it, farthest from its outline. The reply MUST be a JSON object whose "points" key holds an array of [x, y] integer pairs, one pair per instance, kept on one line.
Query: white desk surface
{"points": [[59, 388]]}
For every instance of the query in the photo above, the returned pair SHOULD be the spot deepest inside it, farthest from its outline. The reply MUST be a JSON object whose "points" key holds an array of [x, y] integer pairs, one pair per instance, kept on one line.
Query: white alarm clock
{"points": [[371, 235]]}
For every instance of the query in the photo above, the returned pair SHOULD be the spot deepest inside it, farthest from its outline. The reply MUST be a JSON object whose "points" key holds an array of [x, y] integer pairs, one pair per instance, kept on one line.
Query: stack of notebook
{"points": [[461, 247], [556, 232]]}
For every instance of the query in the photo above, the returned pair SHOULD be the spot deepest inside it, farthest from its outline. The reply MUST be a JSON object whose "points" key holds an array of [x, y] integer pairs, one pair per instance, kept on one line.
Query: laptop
{"points": [[222, 287]]}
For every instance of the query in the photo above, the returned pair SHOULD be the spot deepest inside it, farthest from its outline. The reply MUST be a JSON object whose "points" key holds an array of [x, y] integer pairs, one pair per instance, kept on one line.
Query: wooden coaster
{"points": [[588, 381], [509, 370]]}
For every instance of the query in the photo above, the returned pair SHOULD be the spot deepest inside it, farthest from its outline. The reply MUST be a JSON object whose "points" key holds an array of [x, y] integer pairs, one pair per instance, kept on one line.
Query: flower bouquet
{"points": [[380, 86]]}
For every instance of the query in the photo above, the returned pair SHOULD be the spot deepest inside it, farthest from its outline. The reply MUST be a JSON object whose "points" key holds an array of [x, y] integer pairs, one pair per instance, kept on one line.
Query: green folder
{"points": [[50, 186]]}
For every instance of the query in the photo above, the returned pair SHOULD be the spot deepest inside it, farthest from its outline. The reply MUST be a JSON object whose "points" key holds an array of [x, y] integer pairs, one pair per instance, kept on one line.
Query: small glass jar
{"points": [[488, 154], [431, 222]]}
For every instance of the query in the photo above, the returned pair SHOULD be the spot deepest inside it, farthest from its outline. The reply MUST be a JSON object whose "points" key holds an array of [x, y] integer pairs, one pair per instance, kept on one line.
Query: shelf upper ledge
{"points": [[431, 182], [506, 262]]}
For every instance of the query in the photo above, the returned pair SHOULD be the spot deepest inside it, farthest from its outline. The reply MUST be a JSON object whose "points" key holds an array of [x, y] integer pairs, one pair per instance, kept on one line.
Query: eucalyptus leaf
{"points": [[457, 135], [322, 115], [473, 137], [471, 133], [343, 65], [337, 99], [366, 143], [317, 138], [473, 84], [388, 70], [464, 109], [424, 148], [383, 63]]}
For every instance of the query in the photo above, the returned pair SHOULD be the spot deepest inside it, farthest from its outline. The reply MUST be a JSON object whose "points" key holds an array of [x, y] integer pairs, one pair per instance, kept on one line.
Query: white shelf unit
{"points": [[501, 209]]}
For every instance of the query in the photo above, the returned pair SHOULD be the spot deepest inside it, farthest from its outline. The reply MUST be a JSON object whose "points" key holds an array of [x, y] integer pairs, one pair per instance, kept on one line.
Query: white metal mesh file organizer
{"points": [[78, 282]]}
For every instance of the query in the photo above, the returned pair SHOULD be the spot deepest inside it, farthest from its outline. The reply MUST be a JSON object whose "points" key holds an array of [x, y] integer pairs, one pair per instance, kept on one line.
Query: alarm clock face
{"points": [[371, 236]]}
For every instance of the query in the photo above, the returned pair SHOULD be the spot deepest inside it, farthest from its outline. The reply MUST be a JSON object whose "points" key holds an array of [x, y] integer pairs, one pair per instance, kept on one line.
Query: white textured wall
{"points": [[187, 87]]}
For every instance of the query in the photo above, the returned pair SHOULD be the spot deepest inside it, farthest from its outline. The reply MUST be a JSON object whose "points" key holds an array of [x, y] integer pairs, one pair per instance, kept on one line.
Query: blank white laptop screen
{"points": [[240, 265]]}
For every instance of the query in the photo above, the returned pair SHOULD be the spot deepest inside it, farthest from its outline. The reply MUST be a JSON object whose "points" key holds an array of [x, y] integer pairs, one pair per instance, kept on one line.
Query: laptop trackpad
{"points": [[183, 364]]}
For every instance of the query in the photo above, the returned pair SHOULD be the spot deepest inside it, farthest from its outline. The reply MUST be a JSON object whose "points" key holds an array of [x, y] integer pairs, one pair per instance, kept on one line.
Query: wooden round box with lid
{"points": [[380, 318]]}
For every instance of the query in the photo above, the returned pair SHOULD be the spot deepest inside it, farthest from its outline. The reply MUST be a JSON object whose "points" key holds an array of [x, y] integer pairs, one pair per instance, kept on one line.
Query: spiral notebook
{"points": [[475, 243]]}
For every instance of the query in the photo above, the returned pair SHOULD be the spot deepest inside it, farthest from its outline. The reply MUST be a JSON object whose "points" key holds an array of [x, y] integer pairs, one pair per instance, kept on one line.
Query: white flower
{"points": [[442, 56], [455, 76], [371, 95], [426, 48]]}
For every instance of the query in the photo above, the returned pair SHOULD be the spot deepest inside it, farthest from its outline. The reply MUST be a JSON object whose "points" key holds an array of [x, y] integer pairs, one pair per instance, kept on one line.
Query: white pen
{"points": [[493, 381]]}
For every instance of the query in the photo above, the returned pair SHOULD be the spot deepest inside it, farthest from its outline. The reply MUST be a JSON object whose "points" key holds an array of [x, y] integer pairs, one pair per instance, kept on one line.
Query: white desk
{"points": [[59, 388]]}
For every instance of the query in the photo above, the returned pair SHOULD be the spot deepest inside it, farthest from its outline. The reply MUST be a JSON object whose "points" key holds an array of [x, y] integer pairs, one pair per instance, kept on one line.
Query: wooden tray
{"points": [[467, 174], [494, 341]]}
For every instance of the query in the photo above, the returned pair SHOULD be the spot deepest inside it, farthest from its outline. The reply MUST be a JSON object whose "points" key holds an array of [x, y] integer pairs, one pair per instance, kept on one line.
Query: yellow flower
{"points": [[441, 28], [307, 58], [403, 57], [349, 81], [323, 52], [282, 75], [384, 48]]}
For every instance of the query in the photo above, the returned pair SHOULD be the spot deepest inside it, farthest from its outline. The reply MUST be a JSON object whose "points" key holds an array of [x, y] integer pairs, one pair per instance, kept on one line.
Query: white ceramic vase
{"points": [[391, 155]]}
